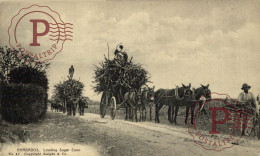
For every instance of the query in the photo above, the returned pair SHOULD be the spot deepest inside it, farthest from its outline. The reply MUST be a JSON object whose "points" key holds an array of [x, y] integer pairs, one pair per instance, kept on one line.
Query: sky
{"points": [[197, 42]]}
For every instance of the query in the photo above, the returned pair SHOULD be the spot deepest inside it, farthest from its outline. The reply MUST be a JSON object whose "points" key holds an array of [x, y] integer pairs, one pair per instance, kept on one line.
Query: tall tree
{"points": [[10, 61]]}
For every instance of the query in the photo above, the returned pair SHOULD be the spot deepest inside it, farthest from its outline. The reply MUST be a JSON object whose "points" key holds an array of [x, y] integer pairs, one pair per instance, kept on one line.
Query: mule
{"points": [[197, 94], [52, 106], [136, 101], [71, 106], [147, 99], [171, 97], [56, 107], [81, 103], [132, 104]]}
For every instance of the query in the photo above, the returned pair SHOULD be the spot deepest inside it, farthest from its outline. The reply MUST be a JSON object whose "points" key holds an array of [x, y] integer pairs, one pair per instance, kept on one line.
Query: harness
{"points": [[133, 97], [193, 95], [204, 93], [176, 95], [141, 96], [145, 99], [142, 91]]}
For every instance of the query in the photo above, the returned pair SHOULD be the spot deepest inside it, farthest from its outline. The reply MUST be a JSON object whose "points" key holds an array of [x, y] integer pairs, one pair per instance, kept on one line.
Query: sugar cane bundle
{"points": [[73, 88], [119, 76]]}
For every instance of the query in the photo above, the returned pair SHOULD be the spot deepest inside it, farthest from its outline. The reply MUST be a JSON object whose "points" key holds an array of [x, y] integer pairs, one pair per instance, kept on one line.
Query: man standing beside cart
{"points": [[248, 103]]}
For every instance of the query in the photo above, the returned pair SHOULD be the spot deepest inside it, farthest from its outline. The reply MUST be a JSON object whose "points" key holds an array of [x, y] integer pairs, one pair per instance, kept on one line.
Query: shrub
{"points": [[28, 75], [23, 103]]}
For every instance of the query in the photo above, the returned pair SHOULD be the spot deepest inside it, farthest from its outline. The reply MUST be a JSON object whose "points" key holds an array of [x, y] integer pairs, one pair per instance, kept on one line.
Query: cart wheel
{"points": [[113, 107], [103, 105]]}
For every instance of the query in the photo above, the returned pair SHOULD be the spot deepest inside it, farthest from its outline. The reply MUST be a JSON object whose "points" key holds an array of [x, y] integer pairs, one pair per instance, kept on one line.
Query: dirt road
{"points": [[119, 137], [147, 138]]}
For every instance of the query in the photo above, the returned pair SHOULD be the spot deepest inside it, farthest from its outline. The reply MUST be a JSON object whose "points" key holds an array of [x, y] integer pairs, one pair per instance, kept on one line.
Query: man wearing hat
{"points": [[120, 54], [248, 100]]}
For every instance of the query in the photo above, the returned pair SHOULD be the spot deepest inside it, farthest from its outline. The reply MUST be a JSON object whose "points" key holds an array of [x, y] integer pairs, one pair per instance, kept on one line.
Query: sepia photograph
{"points": [[129, 78]]}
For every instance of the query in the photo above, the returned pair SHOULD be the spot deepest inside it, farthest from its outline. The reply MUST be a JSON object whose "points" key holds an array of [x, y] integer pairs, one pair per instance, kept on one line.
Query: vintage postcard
{"points": [[150, 77]]}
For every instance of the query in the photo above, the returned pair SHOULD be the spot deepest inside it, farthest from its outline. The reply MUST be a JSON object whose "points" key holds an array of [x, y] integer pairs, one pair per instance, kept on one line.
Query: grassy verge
{"points": [[10, 133]]}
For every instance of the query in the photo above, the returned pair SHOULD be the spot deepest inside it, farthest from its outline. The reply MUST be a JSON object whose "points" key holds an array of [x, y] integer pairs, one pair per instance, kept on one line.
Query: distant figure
{"points": [[121, 55], [248, 100], [71, 72]]}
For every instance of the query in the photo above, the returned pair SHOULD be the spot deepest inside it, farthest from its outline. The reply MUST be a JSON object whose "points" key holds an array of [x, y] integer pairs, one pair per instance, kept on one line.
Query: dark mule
{"points": [[56, 107], [52, 106], [82, 103], [197, 94], [71, 106], [147, 99], [172, 98]]}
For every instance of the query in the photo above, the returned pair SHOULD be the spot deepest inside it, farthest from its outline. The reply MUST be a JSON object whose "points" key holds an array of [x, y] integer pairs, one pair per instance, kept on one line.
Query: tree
{"points": [[59, 92], [9, 61], [68, 89]]}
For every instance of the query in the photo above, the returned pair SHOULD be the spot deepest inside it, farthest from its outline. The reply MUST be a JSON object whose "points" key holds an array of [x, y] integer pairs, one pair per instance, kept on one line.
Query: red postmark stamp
{"points": [[220, 127], [38, 33]]}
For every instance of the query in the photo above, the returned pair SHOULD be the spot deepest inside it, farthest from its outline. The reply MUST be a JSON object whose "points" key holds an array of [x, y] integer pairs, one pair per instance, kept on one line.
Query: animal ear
{"points": [[202, 86], [207, 85], [153, 87], [189, 85], [183, 85]]}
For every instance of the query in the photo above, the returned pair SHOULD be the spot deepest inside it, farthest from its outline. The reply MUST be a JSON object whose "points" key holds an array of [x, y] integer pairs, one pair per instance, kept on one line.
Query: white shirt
{"points": [[242, 97]]}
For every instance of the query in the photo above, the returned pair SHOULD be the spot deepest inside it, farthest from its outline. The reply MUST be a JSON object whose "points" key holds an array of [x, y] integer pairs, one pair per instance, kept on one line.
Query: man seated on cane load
{"points": [[120, 54], [247, 99]]}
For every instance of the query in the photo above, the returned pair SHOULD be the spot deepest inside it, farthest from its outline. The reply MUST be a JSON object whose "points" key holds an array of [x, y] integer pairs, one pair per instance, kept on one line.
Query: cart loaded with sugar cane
{"points": [[244, 111], [115, 78]]}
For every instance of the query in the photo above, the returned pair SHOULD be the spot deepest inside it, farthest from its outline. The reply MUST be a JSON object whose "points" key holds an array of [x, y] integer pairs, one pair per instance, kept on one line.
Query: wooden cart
{"points": [[112, 101]]}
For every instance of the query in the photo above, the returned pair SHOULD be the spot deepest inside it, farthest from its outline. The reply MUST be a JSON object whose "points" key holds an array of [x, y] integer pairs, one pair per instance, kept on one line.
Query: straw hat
{"points": [[245, 86]]}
